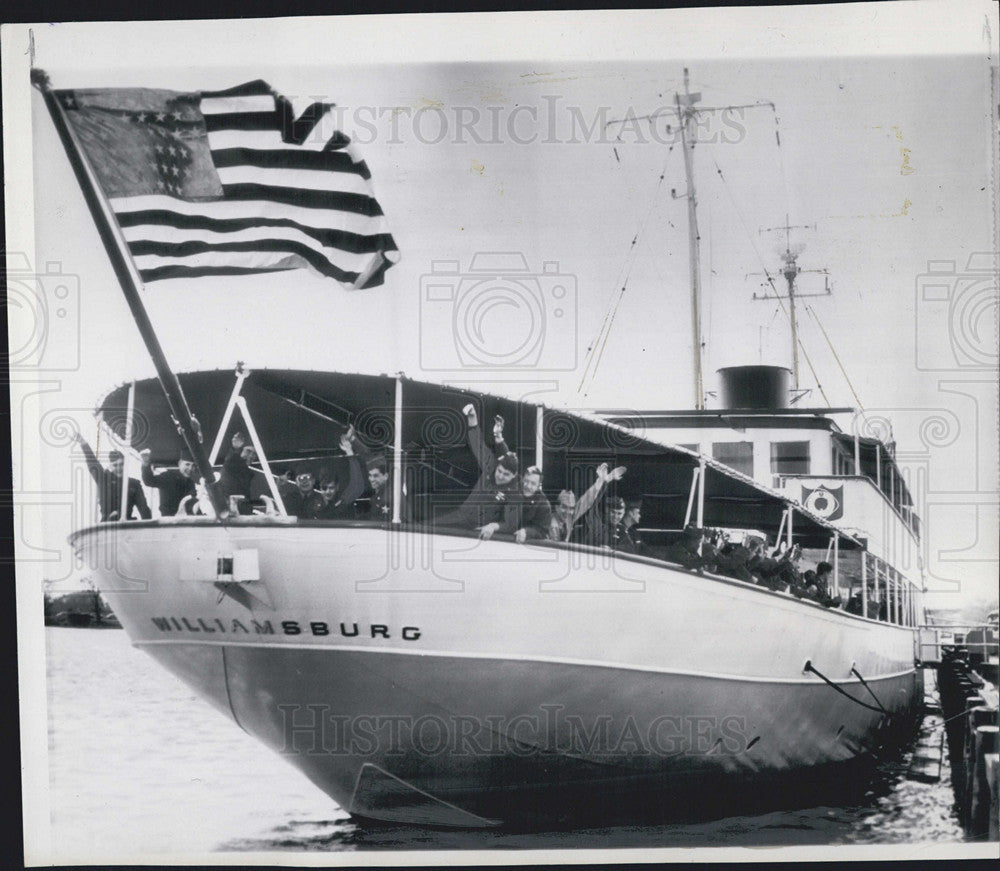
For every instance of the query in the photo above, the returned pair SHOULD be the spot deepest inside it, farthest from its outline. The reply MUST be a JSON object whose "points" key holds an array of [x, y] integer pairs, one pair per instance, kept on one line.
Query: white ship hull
{"points": [[439, 680]]}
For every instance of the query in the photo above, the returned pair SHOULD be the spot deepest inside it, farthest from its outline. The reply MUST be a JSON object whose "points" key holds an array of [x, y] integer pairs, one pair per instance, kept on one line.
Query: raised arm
{"points": [[357, 456], [95, 468], [234, 462], [477, 443], [148, 478], [352, 446], [138, 500], [592, 494]]}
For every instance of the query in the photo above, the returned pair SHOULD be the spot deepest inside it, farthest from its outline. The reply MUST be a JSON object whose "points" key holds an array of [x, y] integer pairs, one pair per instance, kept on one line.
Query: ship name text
{"points": [[315, 628]]}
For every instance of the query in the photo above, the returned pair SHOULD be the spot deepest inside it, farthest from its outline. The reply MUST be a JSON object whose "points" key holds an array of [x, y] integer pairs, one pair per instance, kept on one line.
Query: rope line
{"points": [[871, 692], [809, 667]]}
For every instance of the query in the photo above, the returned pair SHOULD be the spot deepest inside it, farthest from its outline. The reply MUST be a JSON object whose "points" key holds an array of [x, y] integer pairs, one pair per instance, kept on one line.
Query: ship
{"points": [[422, 675]]}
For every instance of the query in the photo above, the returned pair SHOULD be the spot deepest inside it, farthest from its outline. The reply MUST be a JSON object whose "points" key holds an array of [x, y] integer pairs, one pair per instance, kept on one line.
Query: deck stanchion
{"points": [[864, 583], [397, 453], [691, 494], [896, 610], [129, 416], [539, 436], [878, 591], [836, 566], [701, 497], [701, 493]]}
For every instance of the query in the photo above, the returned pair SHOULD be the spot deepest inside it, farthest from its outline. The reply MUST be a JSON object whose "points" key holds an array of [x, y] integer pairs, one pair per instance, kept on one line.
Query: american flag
{"points": [[231, 182]]}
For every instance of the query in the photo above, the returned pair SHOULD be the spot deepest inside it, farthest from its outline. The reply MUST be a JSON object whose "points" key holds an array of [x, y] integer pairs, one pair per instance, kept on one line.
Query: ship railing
{"points": [[936, 640]]}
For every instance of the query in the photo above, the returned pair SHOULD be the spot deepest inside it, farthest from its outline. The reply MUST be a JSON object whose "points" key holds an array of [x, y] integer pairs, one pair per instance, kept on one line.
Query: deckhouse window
{"points": [[789, 458], [736, 455]]}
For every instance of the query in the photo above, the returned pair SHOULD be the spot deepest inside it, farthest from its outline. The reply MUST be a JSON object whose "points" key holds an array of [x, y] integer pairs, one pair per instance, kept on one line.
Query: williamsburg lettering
{"points": [[309, 628]]}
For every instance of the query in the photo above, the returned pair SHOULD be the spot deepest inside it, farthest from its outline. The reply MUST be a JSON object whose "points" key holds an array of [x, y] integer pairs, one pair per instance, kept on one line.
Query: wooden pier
{"points": [[969, 709]]}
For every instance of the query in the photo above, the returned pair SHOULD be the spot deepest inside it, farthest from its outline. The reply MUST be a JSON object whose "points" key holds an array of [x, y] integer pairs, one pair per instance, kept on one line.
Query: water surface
{"points": [[140, 766]]}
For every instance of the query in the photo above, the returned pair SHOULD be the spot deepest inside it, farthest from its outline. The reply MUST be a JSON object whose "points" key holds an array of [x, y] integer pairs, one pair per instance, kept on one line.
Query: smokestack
{"points": [[759, 388]]}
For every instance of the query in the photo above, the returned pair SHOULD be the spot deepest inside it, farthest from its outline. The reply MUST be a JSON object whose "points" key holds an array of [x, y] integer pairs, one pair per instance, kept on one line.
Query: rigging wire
{"points": [[781, 158], [836, 357], [767, 273], [596, 350]]}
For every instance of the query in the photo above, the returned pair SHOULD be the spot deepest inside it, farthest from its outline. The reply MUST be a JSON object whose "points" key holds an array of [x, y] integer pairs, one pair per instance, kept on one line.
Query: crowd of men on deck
{"points": [[503, 500]]}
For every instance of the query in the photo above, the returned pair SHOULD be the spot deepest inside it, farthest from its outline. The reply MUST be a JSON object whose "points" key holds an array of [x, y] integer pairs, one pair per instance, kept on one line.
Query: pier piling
{"points": [[969, 708]]}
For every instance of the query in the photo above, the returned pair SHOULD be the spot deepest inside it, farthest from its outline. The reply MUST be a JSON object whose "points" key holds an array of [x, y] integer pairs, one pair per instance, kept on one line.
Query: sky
{"points": [[884, 160]]}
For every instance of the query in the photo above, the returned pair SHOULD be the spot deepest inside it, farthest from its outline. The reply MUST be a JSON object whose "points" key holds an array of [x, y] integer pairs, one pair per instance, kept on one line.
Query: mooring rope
{"points": [[864, 683], [809, 667]]}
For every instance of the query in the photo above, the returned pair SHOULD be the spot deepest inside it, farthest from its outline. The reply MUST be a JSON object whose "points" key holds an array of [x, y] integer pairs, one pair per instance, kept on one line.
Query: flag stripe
{"points": [[354, 243], [186, 249], [358, 203], [299, 179], [286, 158], [243, 121], [222, 209], [248, 89], [254, 103], [257, 257], [178, 271], [168, 242], [271, 140]]}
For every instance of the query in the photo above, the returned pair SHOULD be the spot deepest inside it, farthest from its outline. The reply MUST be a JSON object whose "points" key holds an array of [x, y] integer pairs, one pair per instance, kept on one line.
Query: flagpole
{"points": [[99, 210]]}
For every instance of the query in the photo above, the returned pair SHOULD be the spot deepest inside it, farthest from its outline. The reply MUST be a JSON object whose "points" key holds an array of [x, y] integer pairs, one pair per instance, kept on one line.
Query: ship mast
{"points": [[791, 270], [684, 106], [685, 114]]}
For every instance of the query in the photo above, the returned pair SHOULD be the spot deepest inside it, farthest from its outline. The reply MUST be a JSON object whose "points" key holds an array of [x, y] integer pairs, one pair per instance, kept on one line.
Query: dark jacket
{"points": [[530, 513], [307, 506], [173, 487], [733, 561], [380, 502], [634, 539], [685, 552], [238, 479], [109, 491], [485, 504], [341, 507], [601, 532]]}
